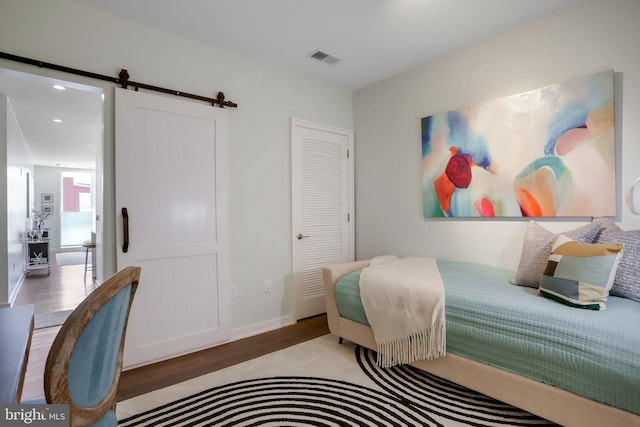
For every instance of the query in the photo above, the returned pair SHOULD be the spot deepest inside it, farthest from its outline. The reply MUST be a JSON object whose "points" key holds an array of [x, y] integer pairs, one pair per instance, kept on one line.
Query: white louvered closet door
{"points": [[322, 220]]}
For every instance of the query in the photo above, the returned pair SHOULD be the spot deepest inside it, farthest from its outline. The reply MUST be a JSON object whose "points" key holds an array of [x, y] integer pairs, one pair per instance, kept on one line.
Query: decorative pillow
{"points": [[606, 224], [580, 274], [627, 281], [536, 249]]}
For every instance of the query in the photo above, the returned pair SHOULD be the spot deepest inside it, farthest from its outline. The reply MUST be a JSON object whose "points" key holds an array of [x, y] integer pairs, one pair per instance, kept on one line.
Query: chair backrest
{"points": [[85, 360]]}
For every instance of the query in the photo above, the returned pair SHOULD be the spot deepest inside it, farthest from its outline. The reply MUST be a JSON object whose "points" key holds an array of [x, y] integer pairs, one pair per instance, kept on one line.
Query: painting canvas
{"points": [[549, 152]]}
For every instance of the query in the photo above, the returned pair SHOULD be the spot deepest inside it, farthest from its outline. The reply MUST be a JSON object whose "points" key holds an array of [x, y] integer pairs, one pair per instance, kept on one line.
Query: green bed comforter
{"points": [[595, 354]]}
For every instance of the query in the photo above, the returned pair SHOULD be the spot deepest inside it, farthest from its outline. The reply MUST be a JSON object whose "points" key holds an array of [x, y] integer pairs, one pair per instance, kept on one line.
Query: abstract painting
{"points": [[548, 152]]}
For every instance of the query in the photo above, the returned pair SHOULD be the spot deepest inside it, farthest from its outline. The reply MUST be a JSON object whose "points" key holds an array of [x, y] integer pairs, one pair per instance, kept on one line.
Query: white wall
{"points": [[46, 179], [15, 222], [4, 288], [583, 40], [66, 32]]}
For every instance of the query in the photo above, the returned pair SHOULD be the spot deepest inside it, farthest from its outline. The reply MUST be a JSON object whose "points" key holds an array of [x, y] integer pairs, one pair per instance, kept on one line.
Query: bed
{"points": [[573, 367]]}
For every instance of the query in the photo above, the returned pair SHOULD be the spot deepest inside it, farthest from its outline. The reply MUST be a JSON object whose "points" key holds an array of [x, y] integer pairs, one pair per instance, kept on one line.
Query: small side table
{"points": [[38, 256]]}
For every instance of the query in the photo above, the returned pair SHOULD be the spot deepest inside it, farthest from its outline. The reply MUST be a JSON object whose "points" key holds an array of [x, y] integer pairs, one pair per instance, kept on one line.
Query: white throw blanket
{"points": [[403, 299]]}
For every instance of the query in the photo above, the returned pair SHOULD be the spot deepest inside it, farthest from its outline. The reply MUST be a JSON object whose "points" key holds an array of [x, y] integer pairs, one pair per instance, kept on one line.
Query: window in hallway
{"points": [[76, 218]]}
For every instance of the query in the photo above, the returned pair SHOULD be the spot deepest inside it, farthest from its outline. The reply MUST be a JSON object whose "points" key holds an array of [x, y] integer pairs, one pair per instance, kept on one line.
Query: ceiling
{"points": [[373, 40], [36, 104]]}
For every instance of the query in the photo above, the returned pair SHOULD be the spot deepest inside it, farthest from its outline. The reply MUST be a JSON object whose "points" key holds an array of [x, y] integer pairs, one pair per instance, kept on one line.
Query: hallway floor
{"points": [[63, 289]]}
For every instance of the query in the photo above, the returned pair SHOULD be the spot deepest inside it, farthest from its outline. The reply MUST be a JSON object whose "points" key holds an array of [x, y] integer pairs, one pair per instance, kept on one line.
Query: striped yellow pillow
{"points": [[580, 274]]}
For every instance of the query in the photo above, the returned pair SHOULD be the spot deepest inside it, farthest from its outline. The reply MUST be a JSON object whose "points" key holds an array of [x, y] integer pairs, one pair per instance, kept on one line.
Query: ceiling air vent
{"points": [[324, 57]]}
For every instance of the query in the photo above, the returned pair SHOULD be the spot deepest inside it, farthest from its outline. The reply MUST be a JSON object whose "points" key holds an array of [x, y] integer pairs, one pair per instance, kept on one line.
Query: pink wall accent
{"points": [[71, 202]]}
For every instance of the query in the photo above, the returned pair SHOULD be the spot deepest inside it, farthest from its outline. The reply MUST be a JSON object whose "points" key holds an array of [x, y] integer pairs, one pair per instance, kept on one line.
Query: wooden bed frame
{"points": [[541, 399]]}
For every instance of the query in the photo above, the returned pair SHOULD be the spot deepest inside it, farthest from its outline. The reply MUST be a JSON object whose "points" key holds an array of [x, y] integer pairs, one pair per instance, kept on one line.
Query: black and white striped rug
{"points": [[443, 399], [399, 396]]}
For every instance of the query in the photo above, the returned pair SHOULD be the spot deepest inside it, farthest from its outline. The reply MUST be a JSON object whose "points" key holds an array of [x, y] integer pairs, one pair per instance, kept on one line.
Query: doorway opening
{"points": [[54, 136]]}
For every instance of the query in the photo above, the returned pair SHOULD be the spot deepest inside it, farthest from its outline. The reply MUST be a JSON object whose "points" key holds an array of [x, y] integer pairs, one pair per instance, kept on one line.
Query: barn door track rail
{"points": [[122, 80]]}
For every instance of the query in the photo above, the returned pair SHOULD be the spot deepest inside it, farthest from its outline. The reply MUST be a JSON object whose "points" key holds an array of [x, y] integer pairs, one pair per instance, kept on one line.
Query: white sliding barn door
{"points": [[171, 177], [322, 217]]}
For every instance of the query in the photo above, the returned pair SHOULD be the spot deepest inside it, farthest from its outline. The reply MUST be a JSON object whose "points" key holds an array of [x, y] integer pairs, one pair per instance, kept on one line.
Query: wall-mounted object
{"points": [[633, 197], [46, 198], [549, 152], [28, 196]]}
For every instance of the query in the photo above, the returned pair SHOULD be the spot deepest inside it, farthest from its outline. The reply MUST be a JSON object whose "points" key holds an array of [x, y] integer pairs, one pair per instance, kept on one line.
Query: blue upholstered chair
{"points": [[85, 360]]}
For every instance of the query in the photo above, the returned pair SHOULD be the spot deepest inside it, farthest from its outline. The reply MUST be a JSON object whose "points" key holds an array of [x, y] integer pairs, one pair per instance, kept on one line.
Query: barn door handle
{"points": [[125, 227], [301, 236]]}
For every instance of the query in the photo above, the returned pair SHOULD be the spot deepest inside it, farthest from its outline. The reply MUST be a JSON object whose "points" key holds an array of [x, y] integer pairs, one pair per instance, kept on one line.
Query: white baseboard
{"points": [[236, 334], [16, 291], [259, 328]]}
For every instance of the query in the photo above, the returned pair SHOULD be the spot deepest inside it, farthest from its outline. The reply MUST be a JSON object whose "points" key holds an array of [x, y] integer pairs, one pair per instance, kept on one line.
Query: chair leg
{"points": [[86, 261]]}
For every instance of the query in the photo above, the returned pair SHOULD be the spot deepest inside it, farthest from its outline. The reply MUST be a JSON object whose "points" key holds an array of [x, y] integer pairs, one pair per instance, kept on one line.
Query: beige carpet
{"points": [[47, 320], [319, 382], [319, 357], [71, 258]]}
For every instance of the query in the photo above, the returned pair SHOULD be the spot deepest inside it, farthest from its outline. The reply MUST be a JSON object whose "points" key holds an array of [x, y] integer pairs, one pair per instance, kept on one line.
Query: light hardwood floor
{"points": [[61, 290], [64, 289]]}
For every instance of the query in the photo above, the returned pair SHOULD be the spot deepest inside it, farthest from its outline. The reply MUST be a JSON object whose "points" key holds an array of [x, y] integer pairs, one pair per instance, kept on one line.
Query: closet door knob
{"points": [[300, 236]]}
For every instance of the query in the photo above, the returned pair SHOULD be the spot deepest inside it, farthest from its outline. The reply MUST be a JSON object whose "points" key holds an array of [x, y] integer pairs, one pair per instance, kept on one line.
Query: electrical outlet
{"points": [[234, 291], [267, 286]]}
